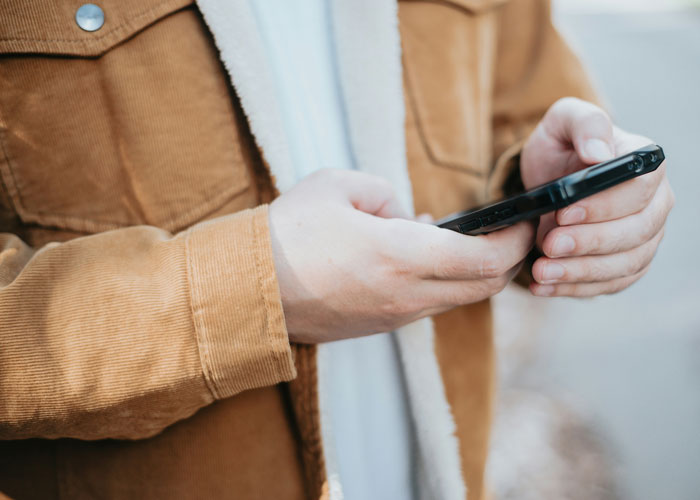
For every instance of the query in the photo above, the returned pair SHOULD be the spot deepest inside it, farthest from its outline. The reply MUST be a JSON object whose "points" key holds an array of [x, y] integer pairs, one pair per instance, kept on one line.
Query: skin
{"points": [[604, 243], [342, 276], [350, 262]]}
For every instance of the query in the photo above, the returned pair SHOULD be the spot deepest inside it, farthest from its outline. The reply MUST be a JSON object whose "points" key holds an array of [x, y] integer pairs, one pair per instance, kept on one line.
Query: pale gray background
{"points": [[631, 361]]}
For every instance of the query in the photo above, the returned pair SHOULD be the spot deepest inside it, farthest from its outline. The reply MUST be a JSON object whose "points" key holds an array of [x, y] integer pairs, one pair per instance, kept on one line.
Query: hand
{"points": [[603, 243], [350, 263]]}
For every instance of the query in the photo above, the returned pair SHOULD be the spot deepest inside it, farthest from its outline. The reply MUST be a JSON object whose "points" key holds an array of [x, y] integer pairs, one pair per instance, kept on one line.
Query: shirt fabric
{"points": [[365, 398]]}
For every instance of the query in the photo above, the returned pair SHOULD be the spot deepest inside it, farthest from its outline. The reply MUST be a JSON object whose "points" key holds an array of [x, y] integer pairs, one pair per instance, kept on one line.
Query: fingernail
{"points": [[544, 290], [573, 215], [552, 271], [598, 150], [563, 245]]}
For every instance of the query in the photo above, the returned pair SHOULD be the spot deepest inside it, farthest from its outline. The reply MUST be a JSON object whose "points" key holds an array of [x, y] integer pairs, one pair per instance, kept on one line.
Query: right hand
{"points": [[349, 262]]}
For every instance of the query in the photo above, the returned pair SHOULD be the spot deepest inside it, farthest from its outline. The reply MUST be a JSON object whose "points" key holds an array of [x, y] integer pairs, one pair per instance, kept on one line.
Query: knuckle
{"points": [[494, 286], [585, 110], [445, 265], [650, 225], [479, 291], [502, 282], [491, 287], [392, 266], [446, 268], [401, 269], [395, 308], [564, 103], [597, 241], [643, 271], [660, 237], [617, 286], [462, 294], [491, 266], [595, 270], [648, 187], [638, 261], [384, 183], [671, 198], [596, 116], [648, 253]]}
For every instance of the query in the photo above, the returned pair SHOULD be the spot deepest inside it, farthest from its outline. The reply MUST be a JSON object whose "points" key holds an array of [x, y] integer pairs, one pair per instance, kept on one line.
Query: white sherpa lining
{"points": [[369, 63]]}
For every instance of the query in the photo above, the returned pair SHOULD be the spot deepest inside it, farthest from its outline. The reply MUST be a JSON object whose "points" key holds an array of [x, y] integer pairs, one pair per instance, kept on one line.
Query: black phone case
{"points": [[555, 194]]}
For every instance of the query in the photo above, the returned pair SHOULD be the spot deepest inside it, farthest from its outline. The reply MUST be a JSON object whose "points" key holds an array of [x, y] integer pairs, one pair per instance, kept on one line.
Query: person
{"points": [[171, 322]]}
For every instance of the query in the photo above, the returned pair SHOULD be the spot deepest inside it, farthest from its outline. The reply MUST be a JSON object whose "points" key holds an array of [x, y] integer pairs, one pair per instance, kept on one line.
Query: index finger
{"points": [[617, 202], [620, 201], [449, 255]]}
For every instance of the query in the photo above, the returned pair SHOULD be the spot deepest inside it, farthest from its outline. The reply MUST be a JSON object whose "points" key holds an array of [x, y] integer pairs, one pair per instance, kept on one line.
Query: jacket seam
{"points": [[471, 10], [198, 324], [98, 38], [87, 224], [413, 103], [266, 321]]}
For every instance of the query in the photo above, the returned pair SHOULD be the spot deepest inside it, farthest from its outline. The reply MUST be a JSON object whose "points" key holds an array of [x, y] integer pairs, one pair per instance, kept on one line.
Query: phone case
{"points": [[555, 194]]}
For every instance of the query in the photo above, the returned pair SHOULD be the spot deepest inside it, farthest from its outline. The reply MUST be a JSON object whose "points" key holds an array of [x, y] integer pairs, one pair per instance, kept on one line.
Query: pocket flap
{"points": [[38, 26]]}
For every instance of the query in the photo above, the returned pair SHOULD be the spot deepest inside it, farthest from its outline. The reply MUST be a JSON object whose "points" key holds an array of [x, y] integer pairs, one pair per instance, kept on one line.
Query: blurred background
{"points": [[604, 394]]}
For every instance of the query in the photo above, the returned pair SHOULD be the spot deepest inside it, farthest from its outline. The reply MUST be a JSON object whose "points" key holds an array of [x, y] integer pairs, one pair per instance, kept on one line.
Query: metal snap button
{"points": [[90, 17]]}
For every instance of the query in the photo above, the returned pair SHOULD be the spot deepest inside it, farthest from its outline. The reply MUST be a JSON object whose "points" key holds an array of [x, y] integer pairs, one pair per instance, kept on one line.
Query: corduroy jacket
{"points": [[143, 348]]}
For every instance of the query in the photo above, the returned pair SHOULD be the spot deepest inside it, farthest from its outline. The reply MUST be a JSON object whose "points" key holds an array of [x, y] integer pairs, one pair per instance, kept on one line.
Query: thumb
{"points": [[586, 126]]}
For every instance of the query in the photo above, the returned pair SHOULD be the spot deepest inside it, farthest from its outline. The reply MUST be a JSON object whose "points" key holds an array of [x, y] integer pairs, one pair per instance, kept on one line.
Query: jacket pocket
{"points": [[449, 49], [130, 124]]}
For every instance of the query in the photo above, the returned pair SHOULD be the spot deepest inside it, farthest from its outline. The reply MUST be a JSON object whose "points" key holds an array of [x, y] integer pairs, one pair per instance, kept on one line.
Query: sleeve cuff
{"points": [[236, 304]]}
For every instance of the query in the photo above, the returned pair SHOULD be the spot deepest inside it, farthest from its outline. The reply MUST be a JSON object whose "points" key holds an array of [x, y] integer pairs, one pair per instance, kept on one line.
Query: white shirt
{"points": [[364, 395]]}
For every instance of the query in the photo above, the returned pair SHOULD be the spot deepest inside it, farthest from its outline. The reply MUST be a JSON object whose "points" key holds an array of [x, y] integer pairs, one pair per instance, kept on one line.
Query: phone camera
{"points": [[638, 164]]}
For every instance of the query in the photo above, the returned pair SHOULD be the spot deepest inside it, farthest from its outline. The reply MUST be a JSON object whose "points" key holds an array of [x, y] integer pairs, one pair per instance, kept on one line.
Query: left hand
{"points": [[604, 243]]}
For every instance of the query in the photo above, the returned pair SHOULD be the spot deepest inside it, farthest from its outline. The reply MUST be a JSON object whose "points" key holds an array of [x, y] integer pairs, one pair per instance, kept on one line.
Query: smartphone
{"points": [[555, 194]]}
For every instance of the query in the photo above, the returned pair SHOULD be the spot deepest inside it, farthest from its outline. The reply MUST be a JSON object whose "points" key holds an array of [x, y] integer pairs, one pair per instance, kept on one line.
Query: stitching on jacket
{"points": [[5, 192], [471, 10], [199, 331], [258, 266], [11, 186], [4, 165], [97, 38], [423, 137], [92, 225]]}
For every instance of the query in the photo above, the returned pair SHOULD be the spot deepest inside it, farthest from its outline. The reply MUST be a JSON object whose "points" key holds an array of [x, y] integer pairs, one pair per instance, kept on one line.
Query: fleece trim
{"points": [[367, 43], [368, 49]]}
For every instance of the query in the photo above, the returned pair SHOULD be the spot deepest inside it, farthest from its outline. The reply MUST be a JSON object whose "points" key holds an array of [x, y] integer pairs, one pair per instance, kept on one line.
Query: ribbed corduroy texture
{"points": [[122, 333], [236, 304], [104, 336], [37, 26]]}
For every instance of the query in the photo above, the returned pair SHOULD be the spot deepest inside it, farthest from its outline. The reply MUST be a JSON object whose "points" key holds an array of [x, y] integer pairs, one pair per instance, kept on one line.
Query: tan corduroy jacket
{"points": [[143, 349]]}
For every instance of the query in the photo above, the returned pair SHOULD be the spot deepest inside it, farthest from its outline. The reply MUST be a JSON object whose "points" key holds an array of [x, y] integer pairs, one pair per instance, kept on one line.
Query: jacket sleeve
{"points": [[534, 68], [119, 334]]}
